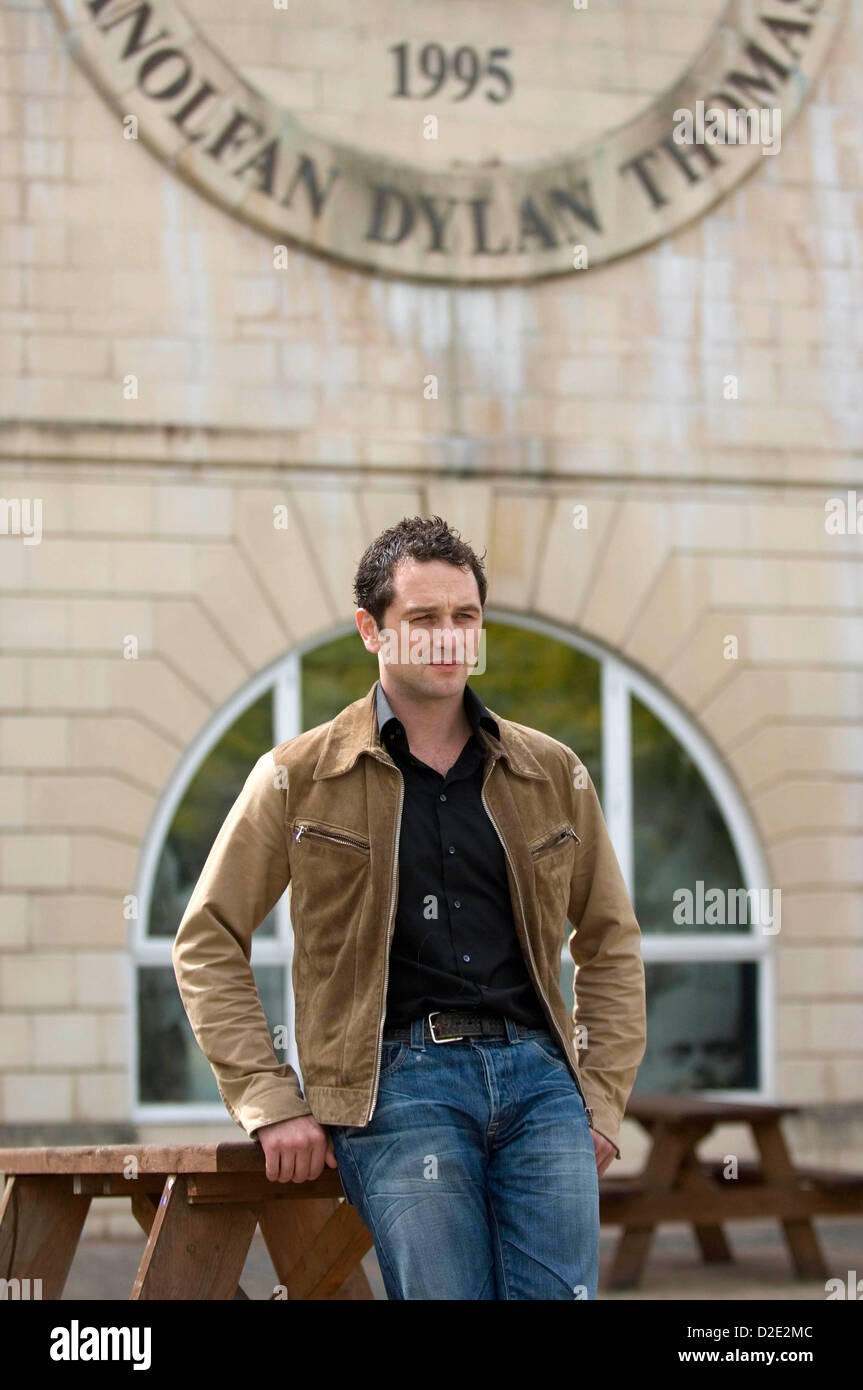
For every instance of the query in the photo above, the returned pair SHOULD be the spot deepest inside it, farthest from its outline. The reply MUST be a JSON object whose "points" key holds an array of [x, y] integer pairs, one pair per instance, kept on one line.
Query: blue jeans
{"points": [[477, 1174]]}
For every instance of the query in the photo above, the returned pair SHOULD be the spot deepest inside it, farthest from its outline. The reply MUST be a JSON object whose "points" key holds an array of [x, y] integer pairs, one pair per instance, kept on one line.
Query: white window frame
{"points": [[619, 680]]}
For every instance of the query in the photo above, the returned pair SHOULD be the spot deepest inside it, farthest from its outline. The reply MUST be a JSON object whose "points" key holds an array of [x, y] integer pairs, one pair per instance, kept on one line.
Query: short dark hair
{"points": [[413, 538]]}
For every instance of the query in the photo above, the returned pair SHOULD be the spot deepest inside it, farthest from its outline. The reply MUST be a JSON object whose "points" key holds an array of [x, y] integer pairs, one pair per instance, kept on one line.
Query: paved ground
{"points": [[105, 1270]]}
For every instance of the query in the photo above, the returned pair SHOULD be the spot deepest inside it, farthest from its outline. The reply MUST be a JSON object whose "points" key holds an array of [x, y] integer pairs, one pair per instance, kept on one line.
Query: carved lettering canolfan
{"points": [[474, 143]]}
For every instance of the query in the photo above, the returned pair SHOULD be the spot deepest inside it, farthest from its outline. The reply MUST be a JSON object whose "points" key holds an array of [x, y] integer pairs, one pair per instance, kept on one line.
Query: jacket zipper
{"points": [[588, 1109], [305, 829], [555, 841], [390, 920]]}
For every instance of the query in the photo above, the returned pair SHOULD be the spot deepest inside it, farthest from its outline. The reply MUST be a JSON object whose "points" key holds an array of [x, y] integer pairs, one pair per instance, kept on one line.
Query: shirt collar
{"points": [[388, 721]]}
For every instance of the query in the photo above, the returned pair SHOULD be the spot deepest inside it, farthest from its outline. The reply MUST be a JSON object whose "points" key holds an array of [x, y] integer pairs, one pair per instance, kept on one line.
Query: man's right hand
{"points": [[296, 1150]]}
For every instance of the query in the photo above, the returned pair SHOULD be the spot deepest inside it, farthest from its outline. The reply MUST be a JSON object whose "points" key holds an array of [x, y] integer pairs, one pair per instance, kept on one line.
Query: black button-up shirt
{"points": [[454, 943]]}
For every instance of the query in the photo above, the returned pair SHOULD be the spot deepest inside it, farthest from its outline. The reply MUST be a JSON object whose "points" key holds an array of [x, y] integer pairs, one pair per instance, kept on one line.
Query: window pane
{"points": [[567, 974], [335, 675], [207, 800], [679, 838], [548, 685], [701, 1026], [171, 1065]]}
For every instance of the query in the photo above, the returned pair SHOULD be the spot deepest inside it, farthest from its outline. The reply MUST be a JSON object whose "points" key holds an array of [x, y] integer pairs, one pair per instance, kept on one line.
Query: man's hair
{"points": [[413, 538]]}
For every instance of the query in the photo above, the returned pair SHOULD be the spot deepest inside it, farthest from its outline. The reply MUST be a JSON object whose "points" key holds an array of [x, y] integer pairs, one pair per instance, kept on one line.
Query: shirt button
{"points": [[456, 903], [452, 849], [465, 957], [442, 797]]}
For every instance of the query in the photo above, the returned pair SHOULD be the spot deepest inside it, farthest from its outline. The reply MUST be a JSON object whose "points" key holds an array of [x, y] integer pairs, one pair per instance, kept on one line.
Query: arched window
{"points": [[685, 843]]}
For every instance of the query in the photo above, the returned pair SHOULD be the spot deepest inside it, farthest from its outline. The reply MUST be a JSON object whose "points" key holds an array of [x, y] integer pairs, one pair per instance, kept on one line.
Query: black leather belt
{"points": [[450, 1025]]}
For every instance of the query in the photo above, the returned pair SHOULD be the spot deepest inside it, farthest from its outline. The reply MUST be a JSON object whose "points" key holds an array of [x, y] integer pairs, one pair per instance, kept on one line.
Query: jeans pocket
{"points": [[550, 1049], [393, 1055]]}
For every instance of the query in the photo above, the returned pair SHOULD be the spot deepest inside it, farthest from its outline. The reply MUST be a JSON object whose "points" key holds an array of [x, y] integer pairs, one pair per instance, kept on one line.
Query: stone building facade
{"points": [[170, 384]]}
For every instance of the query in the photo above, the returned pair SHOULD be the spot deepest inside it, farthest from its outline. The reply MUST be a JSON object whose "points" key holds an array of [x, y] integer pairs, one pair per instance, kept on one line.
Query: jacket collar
{"points": [[355, 730]]}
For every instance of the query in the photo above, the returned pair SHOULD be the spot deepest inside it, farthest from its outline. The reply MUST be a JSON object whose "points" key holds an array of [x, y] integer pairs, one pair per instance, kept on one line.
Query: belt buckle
{"points": [[434, 1014]]}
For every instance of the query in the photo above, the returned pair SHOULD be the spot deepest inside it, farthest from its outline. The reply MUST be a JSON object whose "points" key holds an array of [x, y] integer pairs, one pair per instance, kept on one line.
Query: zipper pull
{"points": [[588, 1110], [299, 833], [570, 831]]}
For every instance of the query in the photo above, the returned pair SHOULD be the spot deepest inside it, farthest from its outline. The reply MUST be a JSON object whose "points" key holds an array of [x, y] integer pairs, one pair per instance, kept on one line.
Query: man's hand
{"points": [[296, 1150], [605, 1151]]}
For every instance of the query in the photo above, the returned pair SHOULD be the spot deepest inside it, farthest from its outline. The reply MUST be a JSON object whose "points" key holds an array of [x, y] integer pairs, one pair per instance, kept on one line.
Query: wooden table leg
{"points": [[671, 1143], [144, 1207], [41, 1220], [711, 1238], [777, 1168], [193, 1251], [316, 1247]]}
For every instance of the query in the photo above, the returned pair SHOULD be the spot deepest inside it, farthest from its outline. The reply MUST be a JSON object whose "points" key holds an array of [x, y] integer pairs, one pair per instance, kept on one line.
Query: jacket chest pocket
{"points": [[554, 842], [334, 836], [552, 855], [330, 876]]}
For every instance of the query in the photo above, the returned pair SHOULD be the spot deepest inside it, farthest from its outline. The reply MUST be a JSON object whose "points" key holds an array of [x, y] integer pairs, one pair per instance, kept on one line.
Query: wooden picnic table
{"points": [[198, 1205], [675, 1185]]}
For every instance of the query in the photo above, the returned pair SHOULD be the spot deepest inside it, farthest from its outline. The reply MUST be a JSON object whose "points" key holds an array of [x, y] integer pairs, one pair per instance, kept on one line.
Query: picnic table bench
{"points": [[199, 1205], [675, 1185]]}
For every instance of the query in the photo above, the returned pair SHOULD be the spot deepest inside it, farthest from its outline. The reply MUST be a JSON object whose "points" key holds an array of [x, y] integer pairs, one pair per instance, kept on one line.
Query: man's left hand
{"points": [[605, 1151]]}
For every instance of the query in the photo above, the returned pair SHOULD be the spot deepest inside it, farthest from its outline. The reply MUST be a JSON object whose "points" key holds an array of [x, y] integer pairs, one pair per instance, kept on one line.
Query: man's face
{"points": [[429, 638]]}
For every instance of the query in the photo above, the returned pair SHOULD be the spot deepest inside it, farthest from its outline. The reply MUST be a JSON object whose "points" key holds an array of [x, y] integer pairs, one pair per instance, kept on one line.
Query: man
{"points": [[434, 852]]}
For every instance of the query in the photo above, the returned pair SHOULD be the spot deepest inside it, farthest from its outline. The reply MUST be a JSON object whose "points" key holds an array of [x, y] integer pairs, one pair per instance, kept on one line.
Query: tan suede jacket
{"points": [[322, 813]]}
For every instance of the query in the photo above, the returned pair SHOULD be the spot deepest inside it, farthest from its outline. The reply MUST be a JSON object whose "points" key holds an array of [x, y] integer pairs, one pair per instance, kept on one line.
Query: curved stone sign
{"points": [[501, 217]]}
